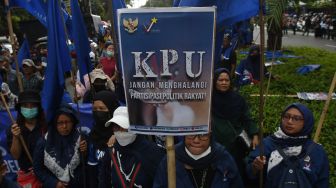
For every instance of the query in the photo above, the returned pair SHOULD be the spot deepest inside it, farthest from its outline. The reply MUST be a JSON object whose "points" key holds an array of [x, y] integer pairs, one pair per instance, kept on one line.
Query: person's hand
{"points": [[15, 129], [3, 169], [258, 163], [111, 141], [255, 141], [83, 146], [61, 185]]}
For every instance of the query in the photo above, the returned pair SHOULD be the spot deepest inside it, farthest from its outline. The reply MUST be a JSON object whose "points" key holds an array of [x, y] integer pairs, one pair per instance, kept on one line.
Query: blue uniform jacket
{"points": [[47, 178], [226, 173], [316, 169]]}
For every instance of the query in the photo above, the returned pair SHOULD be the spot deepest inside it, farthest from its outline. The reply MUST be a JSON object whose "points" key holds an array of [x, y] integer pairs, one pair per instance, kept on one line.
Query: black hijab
{"points": [[252, 62], [226, 105], [62, 147], [99, 133]]}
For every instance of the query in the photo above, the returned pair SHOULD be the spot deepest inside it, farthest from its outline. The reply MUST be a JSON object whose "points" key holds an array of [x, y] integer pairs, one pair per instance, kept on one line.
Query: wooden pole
{"points": [[261, 85], [24, 145], [325, 109], [171, 162], [11, 33], [270, 72]]}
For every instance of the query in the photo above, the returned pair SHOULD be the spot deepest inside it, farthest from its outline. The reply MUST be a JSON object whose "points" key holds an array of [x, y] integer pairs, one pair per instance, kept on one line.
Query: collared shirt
{"points": [[34, 83]]}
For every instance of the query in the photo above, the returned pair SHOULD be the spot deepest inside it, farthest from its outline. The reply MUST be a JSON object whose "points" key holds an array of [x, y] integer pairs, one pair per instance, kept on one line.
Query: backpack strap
{"points": [[282, 153]]}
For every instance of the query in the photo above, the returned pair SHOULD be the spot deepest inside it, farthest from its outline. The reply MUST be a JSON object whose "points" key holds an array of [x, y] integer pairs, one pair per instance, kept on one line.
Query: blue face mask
{"points": [[29, 113]]}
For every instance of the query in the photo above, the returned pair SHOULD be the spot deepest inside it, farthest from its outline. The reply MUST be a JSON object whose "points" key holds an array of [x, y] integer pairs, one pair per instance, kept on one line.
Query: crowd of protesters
{"points": [[322, 25], [60, 156]]}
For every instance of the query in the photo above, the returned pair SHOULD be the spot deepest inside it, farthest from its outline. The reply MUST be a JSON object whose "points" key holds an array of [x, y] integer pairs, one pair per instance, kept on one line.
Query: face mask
{"points": [[29, 113], [101, 117], [109, 53], [196, 157], [124, 138]]}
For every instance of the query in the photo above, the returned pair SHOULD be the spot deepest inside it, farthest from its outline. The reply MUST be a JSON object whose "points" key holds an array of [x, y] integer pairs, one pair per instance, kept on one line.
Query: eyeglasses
{"points": [[295, 118], [59, 123], [203, 137]]}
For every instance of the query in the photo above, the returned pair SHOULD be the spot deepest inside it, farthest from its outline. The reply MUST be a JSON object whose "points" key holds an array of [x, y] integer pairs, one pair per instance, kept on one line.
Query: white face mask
{"points": [[124, 138], [196, 157]]}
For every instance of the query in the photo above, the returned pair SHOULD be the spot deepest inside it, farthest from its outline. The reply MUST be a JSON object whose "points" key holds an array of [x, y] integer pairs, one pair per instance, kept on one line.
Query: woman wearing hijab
{"points": [[31, 124], [134, 159], [291, 146], [200, 162], [57, 161], [100, 137], [248, 71], [231, 120]]}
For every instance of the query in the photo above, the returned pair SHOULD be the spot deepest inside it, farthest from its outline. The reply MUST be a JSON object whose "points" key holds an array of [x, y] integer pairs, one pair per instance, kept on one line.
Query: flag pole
{"points": [[11, 33], [270, 72], [77, 104], [171, 161], [80, 131], [24, 145], [325, 109], [115, 44], [261, 91]]}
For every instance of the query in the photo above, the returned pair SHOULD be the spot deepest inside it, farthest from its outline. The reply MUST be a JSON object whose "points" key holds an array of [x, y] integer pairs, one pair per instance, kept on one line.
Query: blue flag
{"points": [[81, 40], [58, 60], [228, 13], [37, 8], [117, 4], [23, 52]]}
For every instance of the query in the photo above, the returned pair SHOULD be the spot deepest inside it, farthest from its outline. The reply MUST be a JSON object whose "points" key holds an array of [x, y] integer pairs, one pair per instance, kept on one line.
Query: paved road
{"points": [[299, 40]]}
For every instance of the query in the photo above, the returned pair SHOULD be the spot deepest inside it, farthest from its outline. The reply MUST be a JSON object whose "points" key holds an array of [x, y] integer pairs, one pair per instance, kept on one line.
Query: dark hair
{"points": [[108, 43]]}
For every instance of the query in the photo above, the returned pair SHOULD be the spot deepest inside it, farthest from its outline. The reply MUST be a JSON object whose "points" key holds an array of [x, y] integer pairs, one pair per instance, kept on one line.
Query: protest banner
{"points": [[167, 62]]}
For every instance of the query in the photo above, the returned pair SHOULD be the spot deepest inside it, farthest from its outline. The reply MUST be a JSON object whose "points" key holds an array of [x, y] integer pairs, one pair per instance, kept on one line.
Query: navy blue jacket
{"points": [[226, 173], [147, 156], [317, 170], [48, 179]]}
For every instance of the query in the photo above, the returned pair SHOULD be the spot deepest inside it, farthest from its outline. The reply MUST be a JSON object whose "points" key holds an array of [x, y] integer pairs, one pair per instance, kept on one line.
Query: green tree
{"points": [[275, 10]]}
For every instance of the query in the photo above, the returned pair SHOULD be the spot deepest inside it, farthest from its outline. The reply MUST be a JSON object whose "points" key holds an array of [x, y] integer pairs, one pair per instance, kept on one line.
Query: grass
{"points": [[289, 83]]}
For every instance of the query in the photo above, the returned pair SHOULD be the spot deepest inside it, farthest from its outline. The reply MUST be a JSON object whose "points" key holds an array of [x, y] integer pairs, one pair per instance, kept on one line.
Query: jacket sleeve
{"points": [[160, 180], [41, 172], [323, 174], [249, 125]]}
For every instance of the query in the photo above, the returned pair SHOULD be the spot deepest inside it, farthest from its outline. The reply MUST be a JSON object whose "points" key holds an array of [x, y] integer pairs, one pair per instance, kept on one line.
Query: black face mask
{"points": [[101, 117]]}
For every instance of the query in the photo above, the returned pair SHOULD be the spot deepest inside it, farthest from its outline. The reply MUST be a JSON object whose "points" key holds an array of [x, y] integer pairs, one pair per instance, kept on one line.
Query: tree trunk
{"points": [[274, 40]]}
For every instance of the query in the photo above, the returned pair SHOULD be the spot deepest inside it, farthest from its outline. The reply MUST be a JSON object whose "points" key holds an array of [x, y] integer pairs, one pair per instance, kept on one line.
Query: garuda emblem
{"points": [[130, 25]]}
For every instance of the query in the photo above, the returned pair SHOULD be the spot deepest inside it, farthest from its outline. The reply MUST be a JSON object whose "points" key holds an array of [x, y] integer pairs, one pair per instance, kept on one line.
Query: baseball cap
{"points": [[28, 62], [120, 117]]}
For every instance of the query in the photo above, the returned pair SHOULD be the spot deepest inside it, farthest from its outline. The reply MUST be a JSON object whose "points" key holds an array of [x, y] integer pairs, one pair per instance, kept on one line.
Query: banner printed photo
{"points": [[167, 62]]}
